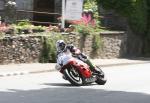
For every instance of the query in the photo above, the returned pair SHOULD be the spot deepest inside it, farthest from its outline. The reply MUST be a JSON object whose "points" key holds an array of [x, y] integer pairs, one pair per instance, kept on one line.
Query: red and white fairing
{"points": [[65, 59]]}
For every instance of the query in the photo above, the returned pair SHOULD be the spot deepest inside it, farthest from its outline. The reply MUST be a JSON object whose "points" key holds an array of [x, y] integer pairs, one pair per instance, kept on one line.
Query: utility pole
{"points": [[63, 14]]}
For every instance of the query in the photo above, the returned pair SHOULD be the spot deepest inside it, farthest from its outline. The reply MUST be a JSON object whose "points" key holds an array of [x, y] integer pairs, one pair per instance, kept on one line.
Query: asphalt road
{"points": [[126, 84]]}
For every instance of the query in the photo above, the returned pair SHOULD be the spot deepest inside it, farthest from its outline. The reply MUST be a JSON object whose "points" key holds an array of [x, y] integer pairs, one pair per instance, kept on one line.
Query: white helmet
{"points": [[60, 45]]}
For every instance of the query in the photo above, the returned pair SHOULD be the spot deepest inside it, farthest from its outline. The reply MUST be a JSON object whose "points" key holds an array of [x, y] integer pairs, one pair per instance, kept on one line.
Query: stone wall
{"points": [[113, 45], [27, 49], [21, 49]]}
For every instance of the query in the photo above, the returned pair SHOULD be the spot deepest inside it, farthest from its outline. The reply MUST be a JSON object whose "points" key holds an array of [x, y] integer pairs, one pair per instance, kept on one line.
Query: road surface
{"points": [[126, 84]]}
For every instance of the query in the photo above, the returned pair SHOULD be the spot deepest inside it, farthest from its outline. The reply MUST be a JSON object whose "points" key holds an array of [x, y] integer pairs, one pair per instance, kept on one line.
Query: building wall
{"points": [[24, 5], [1, 8], [58, 6], [27, 5], [1, 4]]}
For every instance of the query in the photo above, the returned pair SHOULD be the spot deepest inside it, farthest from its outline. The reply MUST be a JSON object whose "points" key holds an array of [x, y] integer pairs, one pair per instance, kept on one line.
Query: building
{"points": [[40, 11]]}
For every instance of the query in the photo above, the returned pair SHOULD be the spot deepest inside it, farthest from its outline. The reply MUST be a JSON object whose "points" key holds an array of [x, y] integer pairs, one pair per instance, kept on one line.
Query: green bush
{"points": [[96, 42], [24, 22], [91, 4], [48, 53], [84, 29], [38, 28], [123, 7]]}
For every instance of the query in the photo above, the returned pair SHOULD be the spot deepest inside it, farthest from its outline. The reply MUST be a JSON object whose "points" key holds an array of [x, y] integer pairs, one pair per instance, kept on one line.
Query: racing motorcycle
{"points": [[78, 73]]}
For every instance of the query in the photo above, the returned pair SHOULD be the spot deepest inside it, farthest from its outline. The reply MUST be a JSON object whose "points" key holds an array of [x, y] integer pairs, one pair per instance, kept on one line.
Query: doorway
{"points": [[44, 6]]}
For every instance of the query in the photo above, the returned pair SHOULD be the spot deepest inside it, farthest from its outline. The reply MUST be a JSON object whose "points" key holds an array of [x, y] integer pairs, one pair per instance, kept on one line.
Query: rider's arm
{"points": [[76, 51], [73, 49]]}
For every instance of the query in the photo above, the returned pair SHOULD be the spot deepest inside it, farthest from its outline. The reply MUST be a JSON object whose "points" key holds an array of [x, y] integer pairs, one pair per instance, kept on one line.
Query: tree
{"points": [[137, 13]]}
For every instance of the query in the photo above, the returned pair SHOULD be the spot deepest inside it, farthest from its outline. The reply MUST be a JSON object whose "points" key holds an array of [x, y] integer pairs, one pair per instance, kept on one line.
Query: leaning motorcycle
{"points": [[78, 73]]}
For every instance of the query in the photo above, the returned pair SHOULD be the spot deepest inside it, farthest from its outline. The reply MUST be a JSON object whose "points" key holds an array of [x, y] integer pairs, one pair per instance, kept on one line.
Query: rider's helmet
{"points": [[60, 45]]}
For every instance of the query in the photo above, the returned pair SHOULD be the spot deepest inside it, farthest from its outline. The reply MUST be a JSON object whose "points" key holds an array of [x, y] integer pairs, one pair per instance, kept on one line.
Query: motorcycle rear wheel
{"points": [[73, 76]]}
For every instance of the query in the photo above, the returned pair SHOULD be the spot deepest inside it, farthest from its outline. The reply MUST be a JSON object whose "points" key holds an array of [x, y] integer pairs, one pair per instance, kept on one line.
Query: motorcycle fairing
{"points": [[82, 67]]}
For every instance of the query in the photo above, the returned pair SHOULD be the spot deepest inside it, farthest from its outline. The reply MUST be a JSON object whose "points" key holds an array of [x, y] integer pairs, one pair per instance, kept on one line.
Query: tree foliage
{"points": [[137, 13], [134, 10], [123, 7], [92, 5]]}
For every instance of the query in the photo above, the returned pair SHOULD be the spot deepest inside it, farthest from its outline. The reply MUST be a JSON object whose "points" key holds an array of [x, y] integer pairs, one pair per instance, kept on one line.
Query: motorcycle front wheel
{"points": [[73, 76], [101, 78]]}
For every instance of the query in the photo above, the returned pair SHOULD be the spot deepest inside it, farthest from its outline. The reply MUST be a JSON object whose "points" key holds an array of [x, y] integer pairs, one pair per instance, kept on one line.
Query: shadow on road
{"points": [[137, 58], [64, 84], [63, 94], [59, 84]]}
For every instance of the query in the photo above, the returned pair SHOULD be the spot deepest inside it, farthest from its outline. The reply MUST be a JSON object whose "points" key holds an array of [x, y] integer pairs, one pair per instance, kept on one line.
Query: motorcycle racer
{"points": [[61, 47]]}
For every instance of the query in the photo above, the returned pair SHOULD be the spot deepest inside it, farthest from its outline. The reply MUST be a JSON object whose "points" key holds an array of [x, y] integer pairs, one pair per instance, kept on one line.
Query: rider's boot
{"points": [[92, 67]]}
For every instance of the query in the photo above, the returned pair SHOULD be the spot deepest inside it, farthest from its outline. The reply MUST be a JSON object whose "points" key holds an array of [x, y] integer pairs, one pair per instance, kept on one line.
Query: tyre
{"points": [[73, 76], [101, 79]]}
